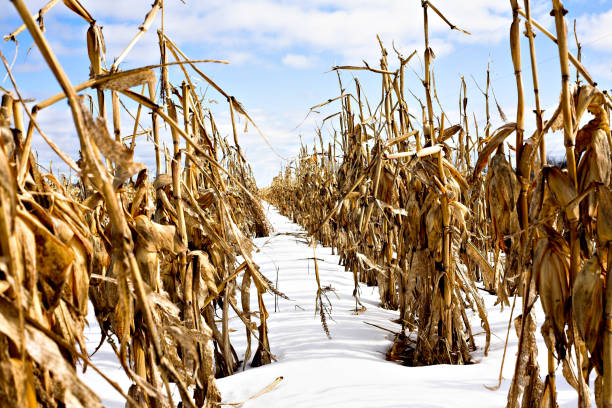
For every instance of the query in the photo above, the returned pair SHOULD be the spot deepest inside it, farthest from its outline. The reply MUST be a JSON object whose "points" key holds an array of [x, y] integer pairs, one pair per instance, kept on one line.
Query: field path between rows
{"points": [[349, 370]]}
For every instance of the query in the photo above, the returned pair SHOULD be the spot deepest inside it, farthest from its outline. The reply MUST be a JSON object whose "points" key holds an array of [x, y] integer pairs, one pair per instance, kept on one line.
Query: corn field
{"points": [[428, 210], [424, 209], [157, 257]]}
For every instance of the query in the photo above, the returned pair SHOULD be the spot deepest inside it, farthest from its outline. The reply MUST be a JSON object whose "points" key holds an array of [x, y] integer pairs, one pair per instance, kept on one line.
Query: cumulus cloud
{"points": [[601, 70], [594, 31], [343, 27], [239, 57], [297, 61]]}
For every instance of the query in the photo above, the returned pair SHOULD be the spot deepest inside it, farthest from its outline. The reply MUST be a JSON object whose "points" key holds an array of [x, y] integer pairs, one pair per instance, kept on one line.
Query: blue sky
{"points": [[281, 51]]}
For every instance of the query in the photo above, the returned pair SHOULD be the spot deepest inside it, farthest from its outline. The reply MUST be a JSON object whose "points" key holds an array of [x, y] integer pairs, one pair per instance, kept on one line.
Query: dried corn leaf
{"points": [[587, 301], [45, 352]]}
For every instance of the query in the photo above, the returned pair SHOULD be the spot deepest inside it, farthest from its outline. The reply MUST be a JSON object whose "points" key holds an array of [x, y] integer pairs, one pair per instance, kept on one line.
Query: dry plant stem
{"points": [[352, 67], [136, 121], [568, 129], [150, 17], [571, 57], [449, 284], [551, 379], [501, 368], [569, 137], [452, 26], [534, 75], [247, 324], [101, 103], [520, 115], [92, 83], [520, 111], [116, 116], [234, 132], [27, 146], [579, 48], [265, 390], [36, 16], [462, 159], [18, 117], [120, 229], [155, 121], [9, 245], [185, 278], [426, 82], [607, 381], [319, 297], [226, 347], [523, 180], [189, 124]]}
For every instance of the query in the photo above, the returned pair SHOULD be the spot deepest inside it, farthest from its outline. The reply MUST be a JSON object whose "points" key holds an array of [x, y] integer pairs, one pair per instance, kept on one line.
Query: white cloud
{"points": [[344, 27], [56, 122], [595, 31], [239, 57], [28, 67], [297, 61], [242, 29], [601, 70]]}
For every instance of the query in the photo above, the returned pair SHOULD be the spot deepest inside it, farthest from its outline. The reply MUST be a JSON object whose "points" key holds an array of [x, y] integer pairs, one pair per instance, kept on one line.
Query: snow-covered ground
{"points": [[349, 370]]}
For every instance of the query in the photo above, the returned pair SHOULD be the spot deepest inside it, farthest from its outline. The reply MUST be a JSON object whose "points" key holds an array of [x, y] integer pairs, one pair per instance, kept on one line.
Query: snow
{"points": [[349, 370], [106, 360]]}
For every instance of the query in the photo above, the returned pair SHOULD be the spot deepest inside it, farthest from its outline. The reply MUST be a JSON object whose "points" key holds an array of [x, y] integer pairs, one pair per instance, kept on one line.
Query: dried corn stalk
{"points": [[158, 259]]}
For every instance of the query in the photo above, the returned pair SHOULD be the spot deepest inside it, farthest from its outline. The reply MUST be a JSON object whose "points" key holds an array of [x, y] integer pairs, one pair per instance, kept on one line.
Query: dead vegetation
{"points": [[423, 207], [160, 253], [406, 205]]}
